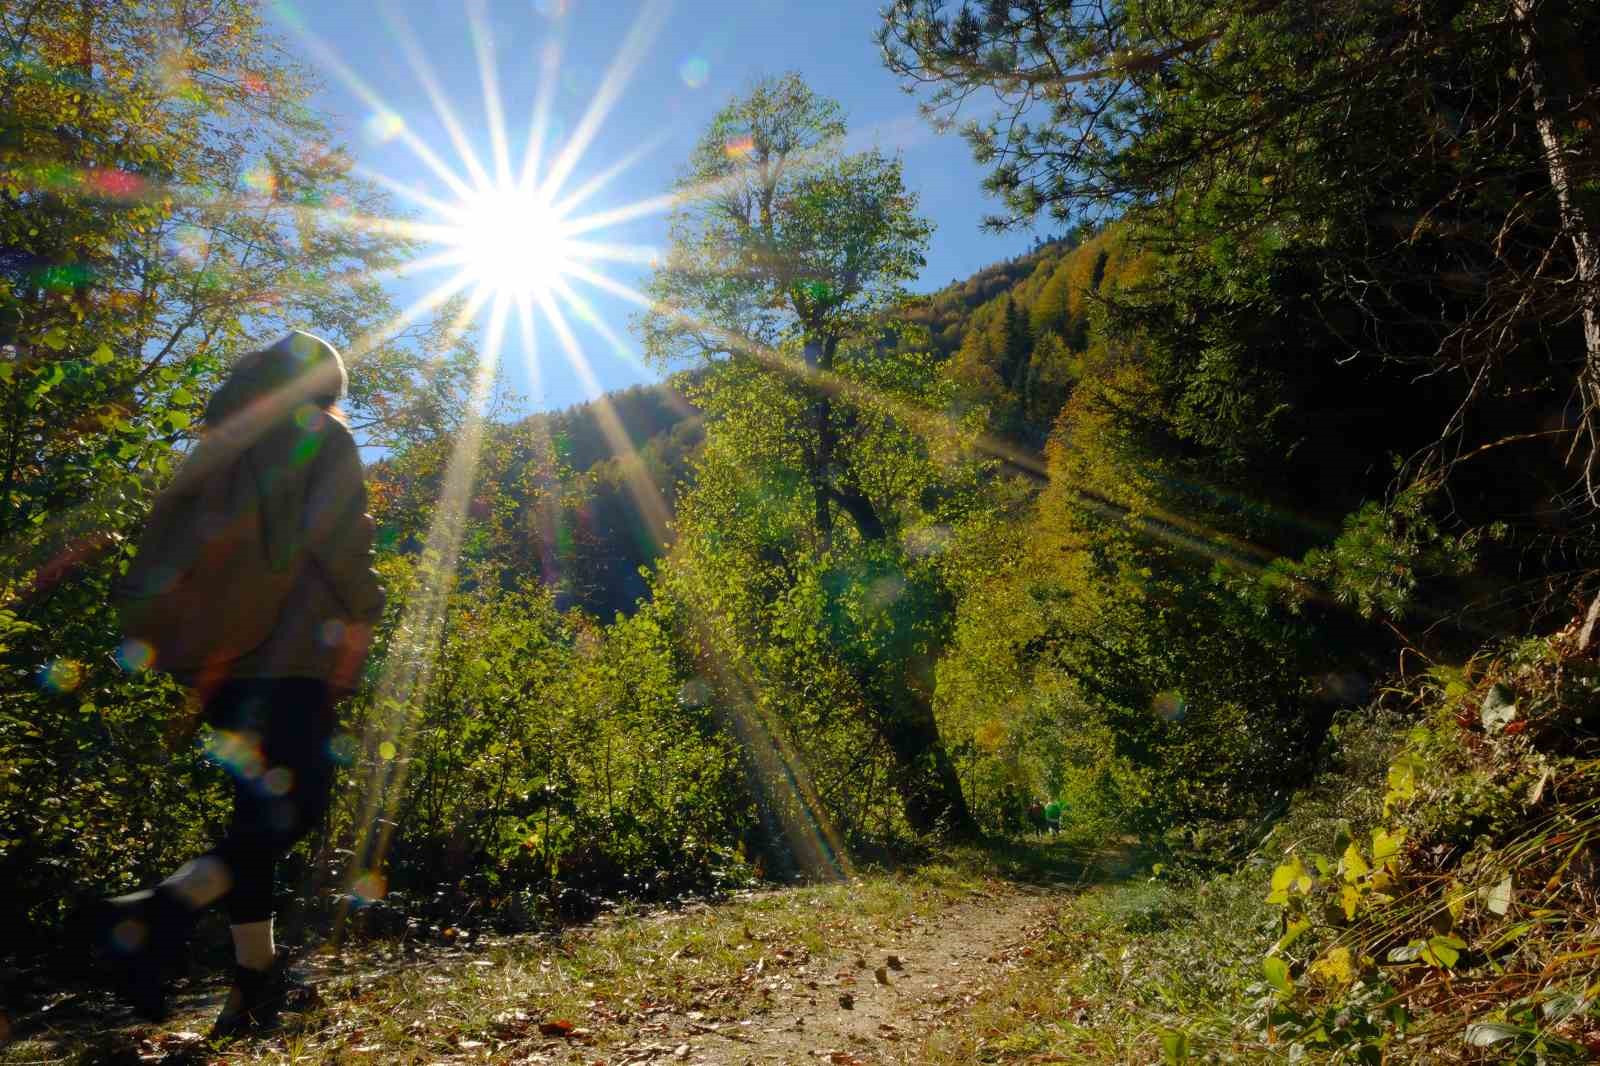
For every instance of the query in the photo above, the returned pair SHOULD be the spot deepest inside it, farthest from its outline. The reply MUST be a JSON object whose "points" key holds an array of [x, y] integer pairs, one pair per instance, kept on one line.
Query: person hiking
{"points": [[271, 637]]}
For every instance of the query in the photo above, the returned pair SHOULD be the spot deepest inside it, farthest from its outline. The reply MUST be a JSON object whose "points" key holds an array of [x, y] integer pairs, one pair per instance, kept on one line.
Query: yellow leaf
{"points": [[1386, 846], [1289, 875], [1353, 865], [1351, 898], [1337, 967], [1456, 900]]}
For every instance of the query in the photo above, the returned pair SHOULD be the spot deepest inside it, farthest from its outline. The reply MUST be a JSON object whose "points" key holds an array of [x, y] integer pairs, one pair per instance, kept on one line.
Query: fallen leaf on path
{"points": [[556, 1027], [894, 963], [847, 1001], [881, 975]]}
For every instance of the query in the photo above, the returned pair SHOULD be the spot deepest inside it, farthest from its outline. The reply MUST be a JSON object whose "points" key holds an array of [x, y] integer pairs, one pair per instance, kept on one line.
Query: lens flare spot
{"points": [[129, 935], [114, 184], [136, 656], [1169, 705], [61, 675], [383, 126], [387, 750], [370, 886], [192, 243], [306, 450], [739, 147], [883, 592], [277, 781], [929, 540], [238, 753], [342, 748], [695, 72], [261, 181], [333, 633]]}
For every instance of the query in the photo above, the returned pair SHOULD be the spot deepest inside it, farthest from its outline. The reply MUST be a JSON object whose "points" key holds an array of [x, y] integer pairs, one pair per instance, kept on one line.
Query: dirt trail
{"points": [[869, 1005], [854, 998]]}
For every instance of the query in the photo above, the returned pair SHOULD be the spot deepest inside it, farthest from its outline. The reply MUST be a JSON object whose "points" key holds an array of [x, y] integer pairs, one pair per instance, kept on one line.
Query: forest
{"points": [[1249, 523]]}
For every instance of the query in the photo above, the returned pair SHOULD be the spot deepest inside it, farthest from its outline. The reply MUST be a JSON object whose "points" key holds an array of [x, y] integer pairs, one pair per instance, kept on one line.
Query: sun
{"points": [[509, 241]]}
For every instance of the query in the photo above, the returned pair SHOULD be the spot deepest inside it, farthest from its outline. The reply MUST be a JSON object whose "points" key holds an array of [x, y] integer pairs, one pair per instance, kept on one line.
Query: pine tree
{"points": [[1016, 350]]}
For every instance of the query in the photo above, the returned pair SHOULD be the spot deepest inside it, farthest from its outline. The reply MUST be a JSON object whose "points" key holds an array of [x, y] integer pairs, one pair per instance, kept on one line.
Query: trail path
{"points": [[859, 986], [870, 1003]]}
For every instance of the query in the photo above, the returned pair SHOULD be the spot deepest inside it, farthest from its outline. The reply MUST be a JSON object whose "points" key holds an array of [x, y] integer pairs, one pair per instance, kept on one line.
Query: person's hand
{"points": [[353, 650]]}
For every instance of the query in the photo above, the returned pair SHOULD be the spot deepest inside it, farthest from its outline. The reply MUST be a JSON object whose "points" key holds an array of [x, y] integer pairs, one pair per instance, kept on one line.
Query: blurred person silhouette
{"points": [[253, 585]]}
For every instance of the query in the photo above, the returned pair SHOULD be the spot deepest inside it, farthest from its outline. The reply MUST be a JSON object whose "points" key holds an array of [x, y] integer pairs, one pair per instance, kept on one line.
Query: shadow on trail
{"points": [[1053, 862]]}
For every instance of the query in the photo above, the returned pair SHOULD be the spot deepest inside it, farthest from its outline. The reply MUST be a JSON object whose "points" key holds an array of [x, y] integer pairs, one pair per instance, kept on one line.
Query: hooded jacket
{"points": [[270, 424]]}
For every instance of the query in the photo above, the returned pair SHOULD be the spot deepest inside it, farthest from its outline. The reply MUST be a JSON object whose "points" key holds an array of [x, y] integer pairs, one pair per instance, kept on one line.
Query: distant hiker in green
{"points": [[253, 584]]}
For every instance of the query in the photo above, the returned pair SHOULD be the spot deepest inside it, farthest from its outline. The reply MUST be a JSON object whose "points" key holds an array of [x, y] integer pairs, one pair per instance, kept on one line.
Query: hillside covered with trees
{"points": [[1250, 525]]}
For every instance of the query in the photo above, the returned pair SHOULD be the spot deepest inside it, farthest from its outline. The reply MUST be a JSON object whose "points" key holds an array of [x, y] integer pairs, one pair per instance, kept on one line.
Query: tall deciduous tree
{"points": [[785, 251], [783, 237]]}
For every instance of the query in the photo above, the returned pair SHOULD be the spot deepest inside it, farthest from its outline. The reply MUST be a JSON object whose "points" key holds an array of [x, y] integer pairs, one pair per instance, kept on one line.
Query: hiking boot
{"points": [[141, 936], [258, 995]]}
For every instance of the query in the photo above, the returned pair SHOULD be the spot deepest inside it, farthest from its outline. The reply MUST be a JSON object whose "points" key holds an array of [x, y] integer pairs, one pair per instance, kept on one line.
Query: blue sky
{"points": [[699, 55]]}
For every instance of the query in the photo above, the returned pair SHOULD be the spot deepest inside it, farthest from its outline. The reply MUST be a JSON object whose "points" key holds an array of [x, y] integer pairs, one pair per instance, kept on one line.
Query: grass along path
{"points": [[854, 972]]}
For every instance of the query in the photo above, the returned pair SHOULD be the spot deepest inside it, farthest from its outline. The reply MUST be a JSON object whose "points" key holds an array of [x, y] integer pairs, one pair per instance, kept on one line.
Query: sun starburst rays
{"points": [[507, 227], [528, 238]]}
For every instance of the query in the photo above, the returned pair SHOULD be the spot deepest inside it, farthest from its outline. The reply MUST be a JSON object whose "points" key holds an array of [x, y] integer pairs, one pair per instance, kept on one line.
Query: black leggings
{"points": [[273, 736]]}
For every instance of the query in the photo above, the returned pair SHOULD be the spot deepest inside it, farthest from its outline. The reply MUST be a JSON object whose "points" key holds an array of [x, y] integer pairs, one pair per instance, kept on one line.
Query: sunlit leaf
{"points": [[1337, 967], [1443, 951], [1498, 898], [1386, 845], [1484, 1034], [1277, 973], [1499, 708], [1352, 864]]}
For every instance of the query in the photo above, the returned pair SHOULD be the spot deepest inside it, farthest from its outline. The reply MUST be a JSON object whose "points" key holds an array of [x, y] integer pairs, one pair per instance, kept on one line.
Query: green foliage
{"points": [[548, 752], [1380, 558], [786, 254], [782, 231], [809, 654]]}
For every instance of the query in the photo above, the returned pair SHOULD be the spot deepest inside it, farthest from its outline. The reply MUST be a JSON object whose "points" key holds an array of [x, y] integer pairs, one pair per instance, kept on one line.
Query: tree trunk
{"points": [[923, 773], [819, 358], [1574, 225], [902, 717]]}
